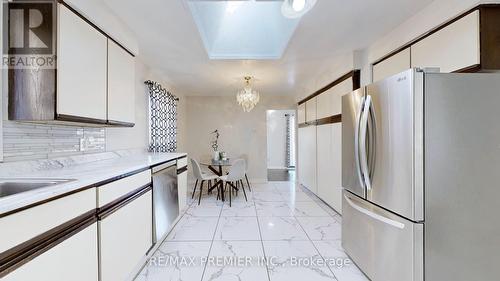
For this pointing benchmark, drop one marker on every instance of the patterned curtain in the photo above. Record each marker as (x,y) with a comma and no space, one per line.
(162,119)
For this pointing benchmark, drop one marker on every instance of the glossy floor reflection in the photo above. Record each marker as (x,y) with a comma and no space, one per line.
(283,232)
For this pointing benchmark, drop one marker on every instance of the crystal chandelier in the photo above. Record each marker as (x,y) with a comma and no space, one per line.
(247,97)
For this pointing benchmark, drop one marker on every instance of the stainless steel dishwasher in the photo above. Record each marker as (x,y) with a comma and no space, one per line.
(165,199)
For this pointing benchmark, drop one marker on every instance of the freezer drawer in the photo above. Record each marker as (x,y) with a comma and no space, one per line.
(386,247)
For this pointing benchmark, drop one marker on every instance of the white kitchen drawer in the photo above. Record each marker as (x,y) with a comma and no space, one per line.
(24,225)
(182,162)
(125,237)
(109,192)
(73,259)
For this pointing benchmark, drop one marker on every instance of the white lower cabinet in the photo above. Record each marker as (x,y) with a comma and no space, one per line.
(329,158)
(182,188)
(307,157)
(74,259)
(125,238)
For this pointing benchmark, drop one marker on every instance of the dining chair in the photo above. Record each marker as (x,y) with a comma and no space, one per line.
(235,177)
(245,157)
(203,177)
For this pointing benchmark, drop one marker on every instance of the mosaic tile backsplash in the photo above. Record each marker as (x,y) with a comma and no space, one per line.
(25,141)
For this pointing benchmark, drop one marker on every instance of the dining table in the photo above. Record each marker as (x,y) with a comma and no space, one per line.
(217,167)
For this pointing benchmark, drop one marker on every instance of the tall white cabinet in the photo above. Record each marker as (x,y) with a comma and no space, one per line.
(319,141)
(81,67)
(307,157)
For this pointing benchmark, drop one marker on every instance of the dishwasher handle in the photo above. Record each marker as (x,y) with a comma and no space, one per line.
(182,170)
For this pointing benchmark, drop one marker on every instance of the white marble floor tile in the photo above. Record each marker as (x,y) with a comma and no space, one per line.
(239,197)
(244,261)
(237,228)
(208,209)
(273,209)
(338,261)
(308,209)
(281,228)
(191,228)
(296,196)
(267,196)
(259,187)
(321,228)
(239,209)
(162,265)
(295,261)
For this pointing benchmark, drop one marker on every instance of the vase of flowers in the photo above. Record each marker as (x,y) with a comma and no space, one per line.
(215,145)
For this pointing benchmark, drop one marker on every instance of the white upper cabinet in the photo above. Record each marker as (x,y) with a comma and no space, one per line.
(452,48)
(121,84)
(392,65)
(311,110)
(301,113)
(329,102)
(81,67)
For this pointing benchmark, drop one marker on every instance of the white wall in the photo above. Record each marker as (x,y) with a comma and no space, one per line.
(276,138)
(240,132)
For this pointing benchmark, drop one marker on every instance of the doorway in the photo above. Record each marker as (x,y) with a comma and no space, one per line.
(281,144)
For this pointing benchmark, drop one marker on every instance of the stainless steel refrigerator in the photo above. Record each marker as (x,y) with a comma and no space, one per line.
(421,177)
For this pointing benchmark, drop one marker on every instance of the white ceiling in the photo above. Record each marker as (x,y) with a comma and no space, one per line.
(170,42)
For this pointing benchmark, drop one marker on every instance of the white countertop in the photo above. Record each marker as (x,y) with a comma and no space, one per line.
(86,170)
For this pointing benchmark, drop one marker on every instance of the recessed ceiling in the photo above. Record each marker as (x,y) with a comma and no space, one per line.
(242,29)
(169,41)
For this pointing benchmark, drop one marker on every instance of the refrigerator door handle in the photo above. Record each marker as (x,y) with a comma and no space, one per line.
(373,215)
(356,144)
(362,142)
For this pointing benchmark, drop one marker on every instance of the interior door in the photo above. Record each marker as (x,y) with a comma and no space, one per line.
(351,113)
(391,118)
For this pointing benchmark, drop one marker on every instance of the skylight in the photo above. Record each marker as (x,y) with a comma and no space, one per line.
(244,29)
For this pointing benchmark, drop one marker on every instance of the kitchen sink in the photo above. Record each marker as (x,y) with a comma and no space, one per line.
(13,186)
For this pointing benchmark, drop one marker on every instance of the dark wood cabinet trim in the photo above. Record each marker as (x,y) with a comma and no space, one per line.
(182,170)
(21,254)
(323,121)
(356,78)
(489,26)
(120,123)
(87,120)
(94,26)
(329,120)
(121,202)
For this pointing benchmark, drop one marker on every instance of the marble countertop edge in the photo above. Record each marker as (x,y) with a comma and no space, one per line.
(85,175)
